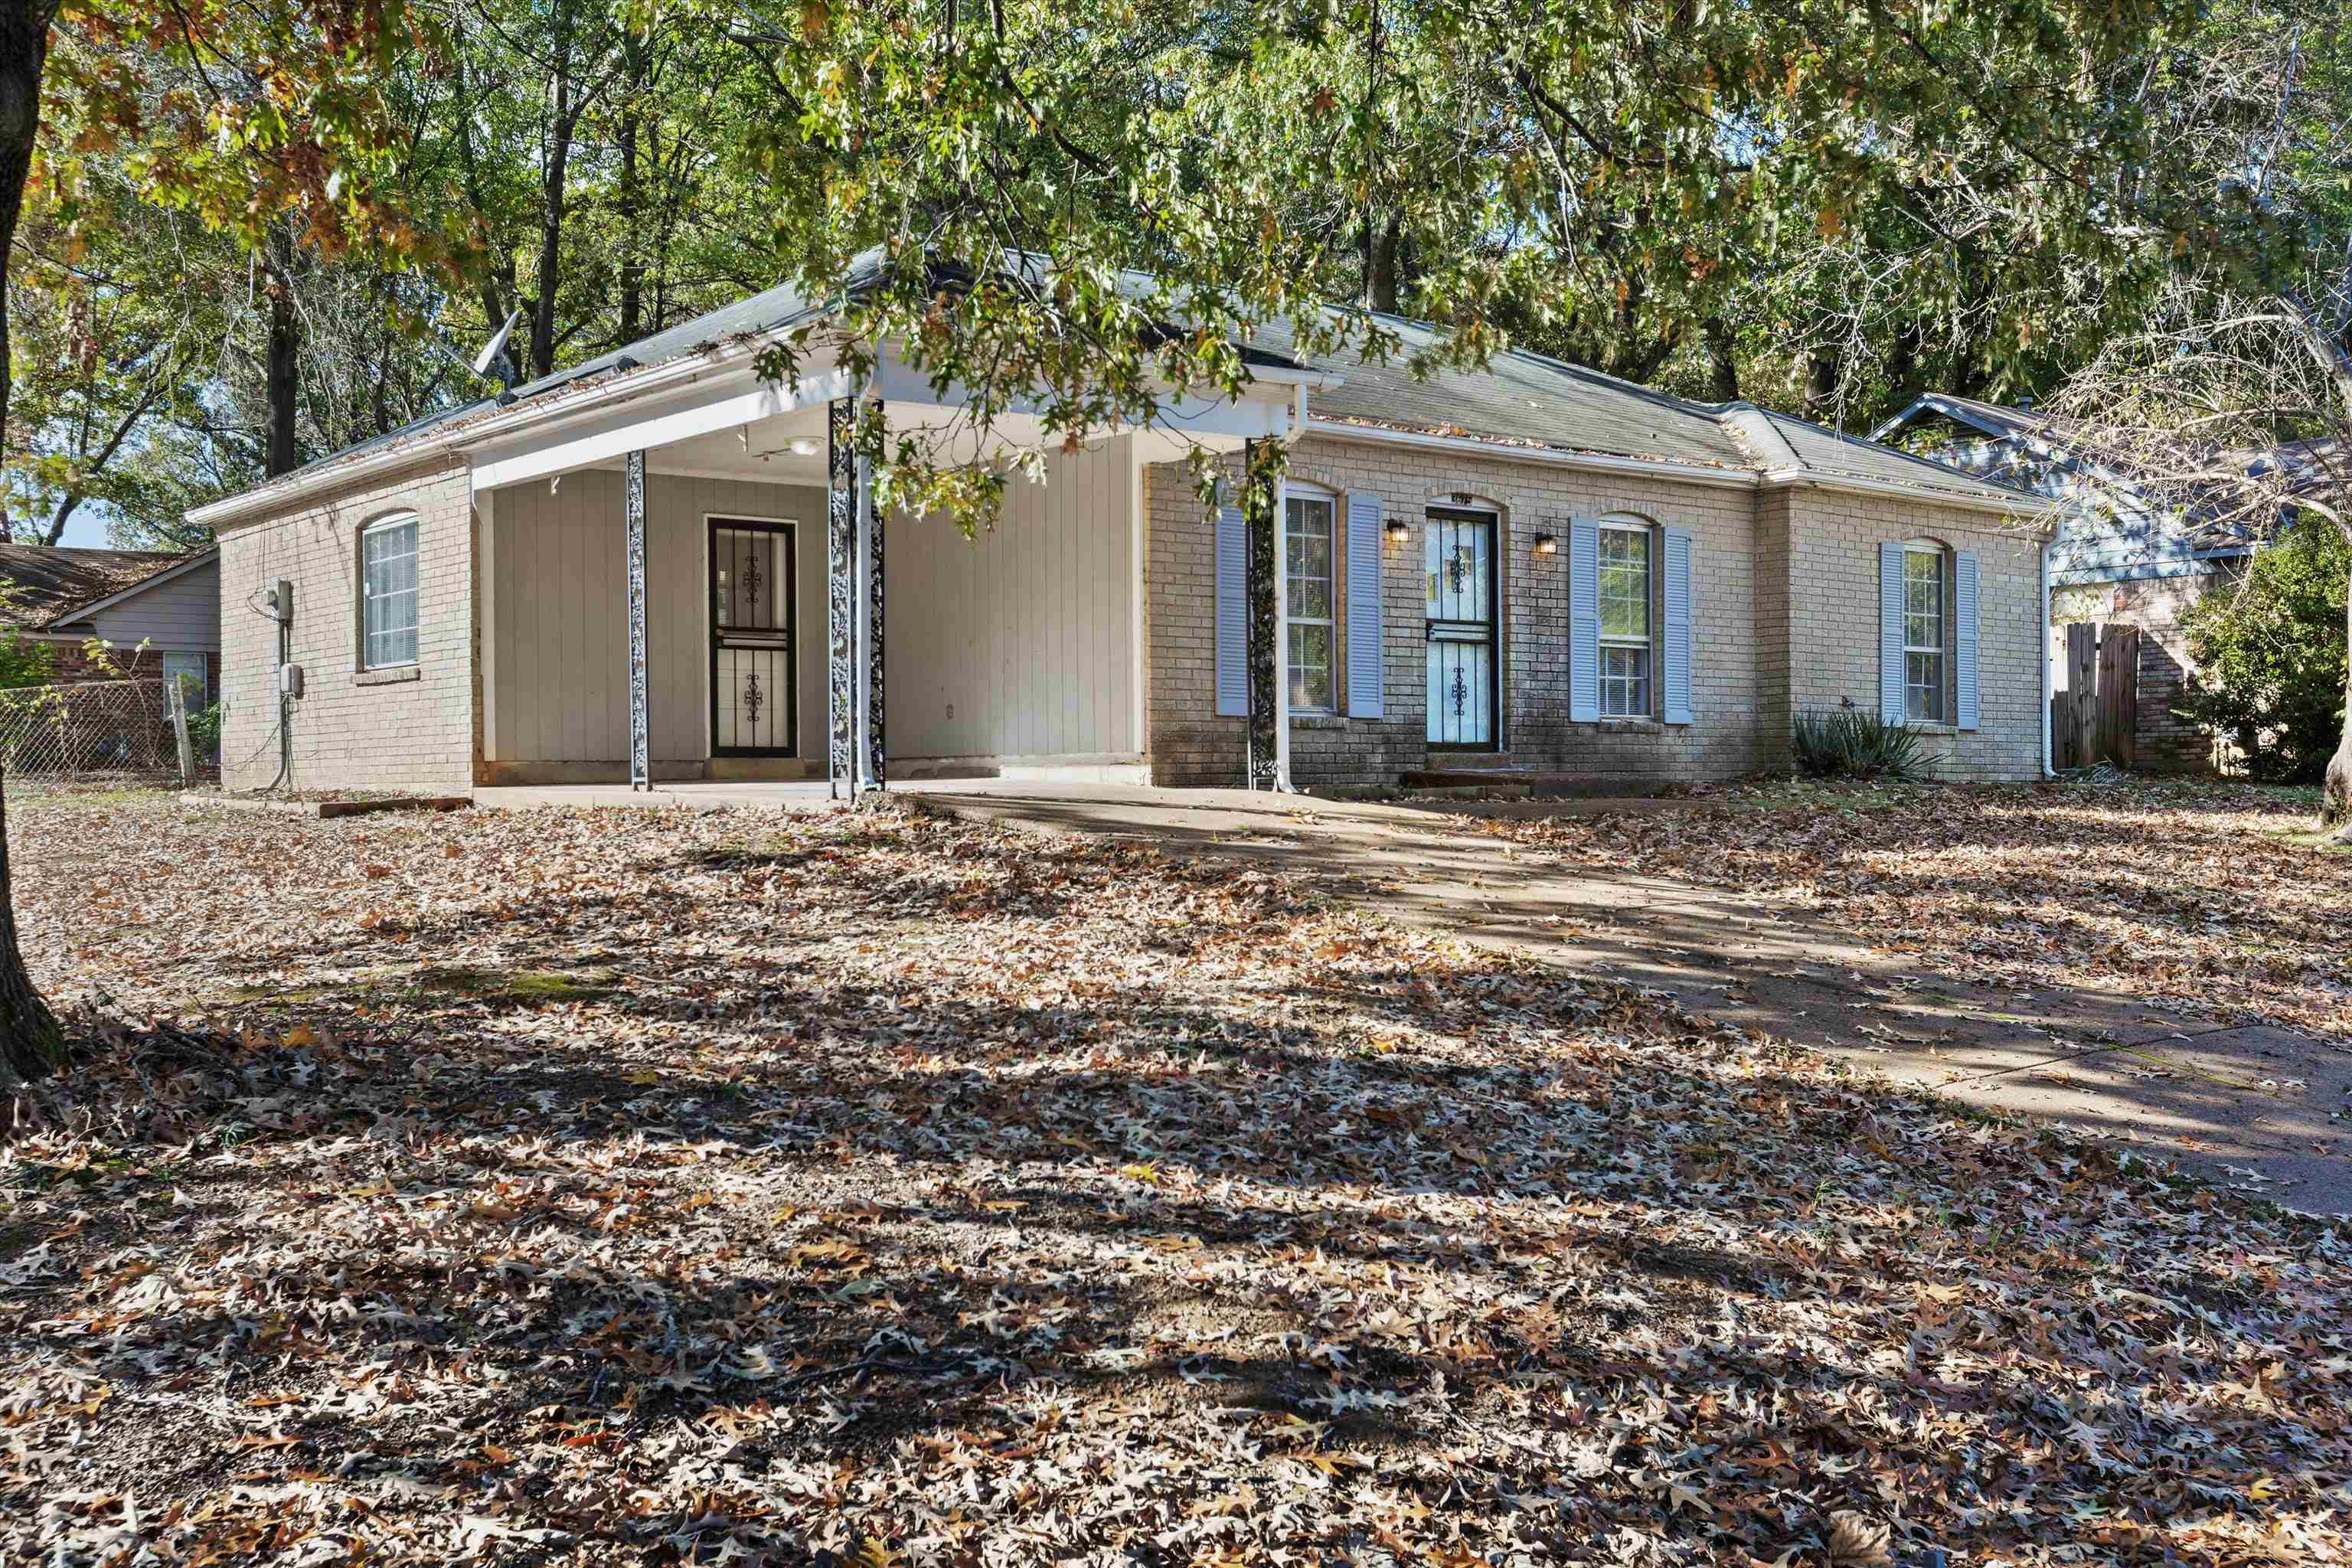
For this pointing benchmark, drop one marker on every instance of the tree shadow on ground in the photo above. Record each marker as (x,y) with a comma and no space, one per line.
(1525,1250)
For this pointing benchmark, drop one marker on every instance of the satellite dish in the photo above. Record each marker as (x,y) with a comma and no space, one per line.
(495,352)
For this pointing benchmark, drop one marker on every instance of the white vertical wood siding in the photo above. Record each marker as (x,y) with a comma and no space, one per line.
(1019,643)
(559,613)
(182,615)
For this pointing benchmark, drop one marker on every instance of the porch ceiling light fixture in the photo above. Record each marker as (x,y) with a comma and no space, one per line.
(1547,543)
(802,447)
(1399,531)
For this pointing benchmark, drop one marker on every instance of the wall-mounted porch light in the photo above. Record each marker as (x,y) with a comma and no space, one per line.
(1547,543)
(1399,531)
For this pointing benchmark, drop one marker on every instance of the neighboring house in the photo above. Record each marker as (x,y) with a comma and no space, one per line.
(1536,567)
(158,613)
(2121,556)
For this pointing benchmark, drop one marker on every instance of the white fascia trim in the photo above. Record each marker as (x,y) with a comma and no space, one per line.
(536,459)
(2025,506)
(1688,473)
(552,408)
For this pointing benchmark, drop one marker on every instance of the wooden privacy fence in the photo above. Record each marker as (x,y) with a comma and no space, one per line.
(2094,720)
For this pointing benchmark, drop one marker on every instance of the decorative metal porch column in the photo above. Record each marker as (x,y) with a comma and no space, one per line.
(1269,682)
(871,751)
(855,758)
(632,512)
(840,515)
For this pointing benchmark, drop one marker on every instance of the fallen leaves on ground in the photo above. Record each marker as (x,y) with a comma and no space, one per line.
(2186,893)
(871,1188)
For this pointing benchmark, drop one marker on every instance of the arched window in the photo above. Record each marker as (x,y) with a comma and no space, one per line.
(1628,619)
(388,592)
(1311,602)
(1927,632)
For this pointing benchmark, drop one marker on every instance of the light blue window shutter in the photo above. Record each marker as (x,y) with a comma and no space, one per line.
(1890,633)
(1365,670)
(1584,620)
(1964,645)
(1232,615)
(1678,627)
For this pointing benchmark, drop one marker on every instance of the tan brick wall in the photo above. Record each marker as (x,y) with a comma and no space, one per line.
(1785,615)
(1191,746)
(350,731)
(1833,621)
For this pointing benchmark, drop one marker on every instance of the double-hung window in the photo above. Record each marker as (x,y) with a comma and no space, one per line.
(388,593)
(187,671)
(1924,598)
(1625,574)
(1307,583)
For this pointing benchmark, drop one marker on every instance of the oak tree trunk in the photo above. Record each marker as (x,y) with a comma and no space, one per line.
(31,1044)
(284,376)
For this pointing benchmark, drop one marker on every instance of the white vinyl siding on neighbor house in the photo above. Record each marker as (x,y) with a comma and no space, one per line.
(388,594)
(181,615)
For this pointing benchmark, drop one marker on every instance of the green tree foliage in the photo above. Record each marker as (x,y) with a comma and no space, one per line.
(2270,651)
(1625,181)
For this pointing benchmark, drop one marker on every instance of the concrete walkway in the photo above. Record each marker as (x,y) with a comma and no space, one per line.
(2249,1107)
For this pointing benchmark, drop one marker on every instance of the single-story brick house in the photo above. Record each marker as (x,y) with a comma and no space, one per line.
(657,567)
(104,614)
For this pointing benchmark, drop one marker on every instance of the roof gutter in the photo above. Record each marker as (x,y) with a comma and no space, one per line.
(1598,462)
(1688,473)
(2025,506)
(530,413)
(551,410)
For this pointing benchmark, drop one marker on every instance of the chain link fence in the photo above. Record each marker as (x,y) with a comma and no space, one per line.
(106,732)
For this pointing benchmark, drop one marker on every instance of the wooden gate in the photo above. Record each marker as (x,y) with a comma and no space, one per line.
(2095,719)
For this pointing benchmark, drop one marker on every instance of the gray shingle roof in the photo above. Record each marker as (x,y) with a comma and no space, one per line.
(1520,399)
(44,586)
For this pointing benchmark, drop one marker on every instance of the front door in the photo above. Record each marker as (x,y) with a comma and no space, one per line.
(752,691)
(1460,555)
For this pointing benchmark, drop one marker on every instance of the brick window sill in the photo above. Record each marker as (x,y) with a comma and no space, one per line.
(1318,721)
(392,677)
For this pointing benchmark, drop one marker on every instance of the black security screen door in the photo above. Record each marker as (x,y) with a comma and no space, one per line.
(752,711)
(1459,553)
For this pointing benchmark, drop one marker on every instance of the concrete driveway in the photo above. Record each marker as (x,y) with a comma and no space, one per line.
(2249,1106)
(2253,1108)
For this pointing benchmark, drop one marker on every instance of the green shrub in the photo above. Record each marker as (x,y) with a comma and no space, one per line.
(204,731)
(2268,651)
(24,662)
(1855,744)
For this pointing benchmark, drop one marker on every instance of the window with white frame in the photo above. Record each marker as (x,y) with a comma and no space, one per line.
(388,593)
(1307,582)
(187,672)
(1625,588)
(1925,593)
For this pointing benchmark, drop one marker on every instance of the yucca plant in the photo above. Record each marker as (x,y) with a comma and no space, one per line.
(1854,743)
